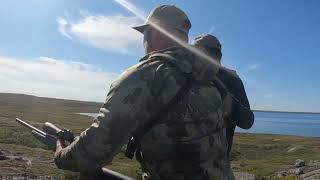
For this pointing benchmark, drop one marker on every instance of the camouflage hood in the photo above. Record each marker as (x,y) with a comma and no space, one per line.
(196,67)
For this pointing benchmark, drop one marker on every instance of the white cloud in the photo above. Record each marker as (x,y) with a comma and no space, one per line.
(109,33)
(50,77)
(63,25)
(254,66)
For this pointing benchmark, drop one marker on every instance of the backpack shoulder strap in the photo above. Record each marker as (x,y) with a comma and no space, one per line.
(140,131)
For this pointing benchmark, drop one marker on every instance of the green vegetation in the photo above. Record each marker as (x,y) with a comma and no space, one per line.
(42,163)
(259,154)
(265,154)
(36,111)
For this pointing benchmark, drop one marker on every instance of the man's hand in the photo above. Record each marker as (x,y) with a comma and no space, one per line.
(60,145)
(227,106)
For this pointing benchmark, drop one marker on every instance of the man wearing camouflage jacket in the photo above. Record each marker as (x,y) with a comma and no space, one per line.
(189,143)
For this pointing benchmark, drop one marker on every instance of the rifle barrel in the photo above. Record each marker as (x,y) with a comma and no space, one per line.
(30,126)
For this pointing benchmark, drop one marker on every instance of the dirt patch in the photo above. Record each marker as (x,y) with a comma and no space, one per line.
(15,167)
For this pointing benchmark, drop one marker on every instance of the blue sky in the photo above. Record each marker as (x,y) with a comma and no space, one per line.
(74,49)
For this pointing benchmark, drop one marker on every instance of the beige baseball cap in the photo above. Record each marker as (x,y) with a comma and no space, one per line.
(207,40)
(168,17)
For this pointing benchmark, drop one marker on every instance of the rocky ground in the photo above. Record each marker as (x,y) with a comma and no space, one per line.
(302,170)
(14,167)
(244,176)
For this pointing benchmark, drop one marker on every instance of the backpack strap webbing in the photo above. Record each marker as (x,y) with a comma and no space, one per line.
(140,131)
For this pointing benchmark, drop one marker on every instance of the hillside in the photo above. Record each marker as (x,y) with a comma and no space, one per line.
(39,110)
(262,155)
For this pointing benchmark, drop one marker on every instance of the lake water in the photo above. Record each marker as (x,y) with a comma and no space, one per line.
(89,114)
(301,124)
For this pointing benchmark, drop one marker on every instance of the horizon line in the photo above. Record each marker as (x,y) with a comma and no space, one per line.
(90,101)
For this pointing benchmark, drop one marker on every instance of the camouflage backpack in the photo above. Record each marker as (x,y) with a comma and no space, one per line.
(184,155)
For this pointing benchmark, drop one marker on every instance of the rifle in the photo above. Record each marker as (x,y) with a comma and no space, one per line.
(49,136)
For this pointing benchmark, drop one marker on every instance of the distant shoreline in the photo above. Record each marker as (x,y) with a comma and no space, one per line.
(287,112)
(88,101)
(317,113)
(274,134)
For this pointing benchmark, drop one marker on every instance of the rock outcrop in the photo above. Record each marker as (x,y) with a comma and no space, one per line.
(244,176)
(301,170)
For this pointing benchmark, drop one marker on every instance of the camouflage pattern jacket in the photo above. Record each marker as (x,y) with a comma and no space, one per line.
(189,144)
